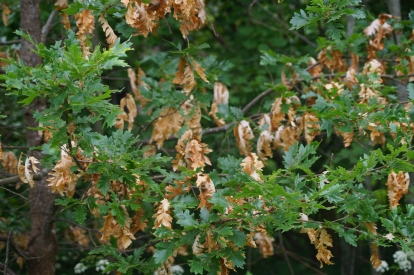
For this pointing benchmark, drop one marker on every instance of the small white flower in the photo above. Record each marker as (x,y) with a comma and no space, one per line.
(79,268)
(101,265)
(410,255)
(402,260)
(177,270)
(383,267)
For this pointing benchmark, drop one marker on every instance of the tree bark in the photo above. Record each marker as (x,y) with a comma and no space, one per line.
(42,246)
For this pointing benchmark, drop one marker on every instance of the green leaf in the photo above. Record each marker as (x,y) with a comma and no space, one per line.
(164,250)
(238,237)
(80,213)
(198,266)
(186,220)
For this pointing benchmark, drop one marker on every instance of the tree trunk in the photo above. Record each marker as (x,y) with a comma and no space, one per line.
(42,244)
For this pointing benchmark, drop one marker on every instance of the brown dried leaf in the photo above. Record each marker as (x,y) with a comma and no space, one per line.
(265,244)
(86,24)
(162,216)
(311,126)
(61,179)
(5,13)
(137,222)
(191,152)
(347,137)
(131,109)
(65,20)
(397,187)
(138,17)
(324,254)
(207,189)
(112,228)
(9,162)
(192,116)
(197,247)
(371,227)
(61,4)
(79,235)
(264,145)
(221,96)
(109,32)
(244,135)
(168,123)
(191,13)
(316,70)
(332,59)
(251,164)
(375,261)
(377,137)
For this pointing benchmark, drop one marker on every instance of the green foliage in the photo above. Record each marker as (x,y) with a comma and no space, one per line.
(301,188)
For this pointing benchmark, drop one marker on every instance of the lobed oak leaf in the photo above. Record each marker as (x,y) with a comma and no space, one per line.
(265,244)
(377,137)
(191,13)
(79,235)
(137,17)
(311,126)
(5,14)
(332,59)
(85,22)
(131,109)
(207,188)
(192,115)
(397,187)
(61,179)
(286,136)
(221,96)
(9,161)
(347,137)
(137,222)
(375,261)
(191,152)
(162,216)
(109,32)
(371,227)
(168,123)
(251,164)
(244,135)
(264,144)
(197,248)
(26,172)
(324,254)
(112,228)
(61,4)
(65,20)
(316,70)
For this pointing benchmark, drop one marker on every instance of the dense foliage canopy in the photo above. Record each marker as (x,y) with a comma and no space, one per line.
(206,137)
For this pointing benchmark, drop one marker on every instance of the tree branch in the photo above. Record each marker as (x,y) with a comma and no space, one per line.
(48,26)
(15,179)
(255,100)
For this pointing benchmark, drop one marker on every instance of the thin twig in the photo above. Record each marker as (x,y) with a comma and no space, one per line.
(256,99)
(285,254)
(7,252)
(10,42)
(17,194)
